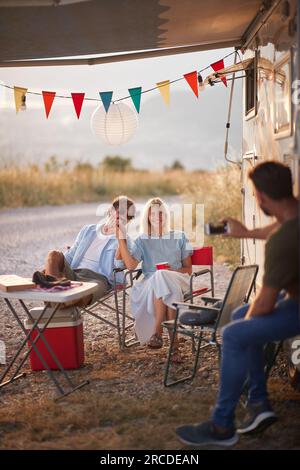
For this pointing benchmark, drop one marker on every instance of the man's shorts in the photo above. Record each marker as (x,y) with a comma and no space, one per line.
(87,275)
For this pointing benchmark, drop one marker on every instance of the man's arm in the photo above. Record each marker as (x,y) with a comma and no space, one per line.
(238,230)
(264,302)
(128,259)
(123,251)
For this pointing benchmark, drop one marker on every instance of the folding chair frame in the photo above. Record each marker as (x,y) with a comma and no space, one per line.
(191,294)
(197,332)
(117,290)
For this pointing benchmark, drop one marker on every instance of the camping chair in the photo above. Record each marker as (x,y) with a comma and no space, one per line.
(195,320)
(201,257)
(119,292)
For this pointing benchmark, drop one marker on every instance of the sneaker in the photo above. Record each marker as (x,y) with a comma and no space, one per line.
(206,434)
(258,418)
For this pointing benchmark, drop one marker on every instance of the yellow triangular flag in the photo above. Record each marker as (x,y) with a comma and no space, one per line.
(19,93)
(164,88)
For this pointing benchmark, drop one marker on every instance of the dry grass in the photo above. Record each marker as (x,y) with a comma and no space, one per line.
(220,192)
(34,187)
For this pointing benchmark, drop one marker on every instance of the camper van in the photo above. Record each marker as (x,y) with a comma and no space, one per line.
(264,33)
(270,119)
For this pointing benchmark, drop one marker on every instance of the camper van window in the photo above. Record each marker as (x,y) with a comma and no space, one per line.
(250,89)
(282,97)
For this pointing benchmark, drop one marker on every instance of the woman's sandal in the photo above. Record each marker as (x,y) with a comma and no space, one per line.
(155,341)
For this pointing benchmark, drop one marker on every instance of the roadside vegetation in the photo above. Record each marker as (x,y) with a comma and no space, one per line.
(57,183)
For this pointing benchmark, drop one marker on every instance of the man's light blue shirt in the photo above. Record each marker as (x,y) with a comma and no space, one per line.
(107,260)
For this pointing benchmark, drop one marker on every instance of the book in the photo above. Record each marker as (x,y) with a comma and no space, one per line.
(12,282)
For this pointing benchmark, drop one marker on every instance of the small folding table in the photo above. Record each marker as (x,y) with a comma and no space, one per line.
(56,299)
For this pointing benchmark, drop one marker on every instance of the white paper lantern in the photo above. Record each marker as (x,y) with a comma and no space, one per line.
(117,125)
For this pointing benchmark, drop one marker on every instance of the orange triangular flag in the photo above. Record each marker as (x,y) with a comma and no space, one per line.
(78,100)
(192,79)
(164,88)
(48,101)
(20,94)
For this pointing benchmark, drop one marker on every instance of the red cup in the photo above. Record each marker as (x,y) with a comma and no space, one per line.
(164,265)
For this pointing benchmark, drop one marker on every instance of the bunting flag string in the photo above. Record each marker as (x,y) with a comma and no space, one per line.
(194,80)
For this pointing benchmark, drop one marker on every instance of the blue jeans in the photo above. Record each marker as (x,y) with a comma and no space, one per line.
(242,355)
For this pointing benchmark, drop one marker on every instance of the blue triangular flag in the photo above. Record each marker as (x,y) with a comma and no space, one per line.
(106,97)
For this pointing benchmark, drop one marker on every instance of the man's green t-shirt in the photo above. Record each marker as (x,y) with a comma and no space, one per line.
(282,259)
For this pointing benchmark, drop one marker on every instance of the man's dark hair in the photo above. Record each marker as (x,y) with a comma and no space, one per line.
(273,178)
(125,202)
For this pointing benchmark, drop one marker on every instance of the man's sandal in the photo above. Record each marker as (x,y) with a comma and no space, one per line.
(155,341)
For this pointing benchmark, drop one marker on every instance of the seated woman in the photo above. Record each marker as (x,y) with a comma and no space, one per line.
(152,297)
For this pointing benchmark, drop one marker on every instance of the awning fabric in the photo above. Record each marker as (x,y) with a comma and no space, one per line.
(36,29)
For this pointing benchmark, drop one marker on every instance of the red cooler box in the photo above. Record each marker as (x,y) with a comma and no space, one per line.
(64,334)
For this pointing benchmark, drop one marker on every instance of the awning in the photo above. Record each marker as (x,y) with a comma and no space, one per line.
(36,29)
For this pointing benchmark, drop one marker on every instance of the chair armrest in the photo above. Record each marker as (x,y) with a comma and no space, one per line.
(210,300)
(188,306)
(199,273)
(118,270)
(133,274)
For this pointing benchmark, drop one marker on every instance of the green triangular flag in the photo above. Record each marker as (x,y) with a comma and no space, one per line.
(135,94)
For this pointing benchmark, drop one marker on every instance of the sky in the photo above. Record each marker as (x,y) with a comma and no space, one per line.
(117,77)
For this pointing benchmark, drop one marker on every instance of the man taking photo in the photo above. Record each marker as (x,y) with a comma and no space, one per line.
(271,317)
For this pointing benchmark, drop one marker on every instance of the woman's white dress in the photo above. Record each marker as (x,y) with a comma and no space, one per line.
(166,285)
(169,286)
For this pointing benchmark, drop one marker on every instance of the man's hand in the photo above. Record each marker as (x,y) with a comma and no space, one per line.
(264,302)
(235,228)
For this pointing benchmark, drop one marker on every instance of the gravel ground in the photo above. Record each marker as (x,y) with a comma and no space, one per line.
(26,237)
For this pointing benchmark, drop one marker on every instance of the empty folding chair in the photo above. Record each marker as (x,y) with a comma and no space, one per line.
(197,321)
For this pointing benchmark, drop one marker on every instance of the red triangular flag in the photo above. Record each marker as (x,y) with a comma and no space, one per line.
(192,79)
(219,65)
(48,100)
(78,100)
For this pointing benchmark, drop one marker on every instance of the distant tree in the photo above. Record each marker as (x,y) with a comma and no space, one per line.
(83,166)
(117,163)
(176,165)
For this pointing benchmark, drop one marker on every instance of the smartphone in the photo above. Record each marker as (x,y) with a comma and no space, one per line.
(216,229)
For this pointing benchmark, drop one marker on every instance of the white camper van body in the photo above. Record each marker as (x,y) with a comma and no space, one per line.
(270,112)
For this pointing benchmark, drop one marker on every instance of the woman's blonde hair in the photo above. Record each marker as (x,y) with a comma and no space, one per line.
(145,223)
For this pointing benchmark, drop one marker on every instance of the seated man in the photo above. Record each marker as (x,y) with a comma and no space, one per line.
(94,254)
(269,318)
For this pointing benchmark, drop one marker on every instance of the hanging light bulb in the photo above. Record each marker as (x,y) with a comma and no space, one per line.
(23,105)
(201,82)
(117,125)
